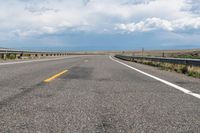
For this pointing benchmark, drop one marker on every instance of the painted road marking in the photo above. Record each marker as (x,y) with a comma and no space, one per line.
(161,80)
(55,76)
(39,60)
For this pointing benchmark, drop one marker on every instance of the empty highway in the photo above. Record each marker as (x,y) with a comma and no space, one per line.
(96,94)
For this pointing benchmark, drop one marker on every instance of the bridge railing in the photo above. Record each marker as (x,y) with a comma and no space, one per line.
(183,61)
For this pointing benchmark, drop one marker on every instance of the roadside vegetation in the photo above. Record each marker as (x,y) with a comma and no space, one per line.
(192,54)
(187,70)
(11,56)
(14,57)
(188,56)
(8,57)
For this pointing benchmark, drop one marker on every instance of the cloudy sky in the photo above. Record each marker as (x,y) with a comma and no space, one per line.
(100,24)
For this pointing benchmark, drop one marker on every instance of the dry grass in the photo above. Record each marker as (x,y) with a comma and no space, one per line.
(194,72)
(187,70)
(166,53)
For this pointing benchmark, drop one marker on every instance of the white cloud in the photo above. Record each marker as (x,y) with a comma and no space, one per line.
(151,24)
(147,25)
(36,17)
(194,6)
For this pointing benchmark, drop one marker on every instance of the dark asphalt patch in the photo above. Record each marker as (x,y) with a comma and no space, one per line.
(110,121)
(44,95)
(84,73)
(179,82)
(24,91)
(104,79)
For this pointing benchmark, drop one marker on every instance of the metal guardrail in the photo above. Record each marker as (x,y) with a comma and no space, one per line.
(19,54)
(10,51)
(189,62)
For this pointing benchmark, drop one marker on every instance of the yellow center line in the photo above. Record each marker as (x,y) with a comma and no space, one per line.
(55,76)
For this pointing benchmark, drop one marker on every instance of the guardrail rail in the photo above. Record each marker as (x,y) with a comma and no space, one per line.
(182,61)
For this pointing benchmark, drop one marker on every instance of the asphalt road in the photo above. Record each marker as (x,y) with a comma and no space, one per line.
(95,95)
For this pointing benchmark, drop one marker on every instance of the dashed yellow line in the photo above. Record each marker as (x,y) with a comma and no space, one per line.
(55,76)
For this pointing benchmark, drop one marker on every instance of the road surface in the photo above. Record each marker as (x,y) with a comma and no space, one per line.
(95,94)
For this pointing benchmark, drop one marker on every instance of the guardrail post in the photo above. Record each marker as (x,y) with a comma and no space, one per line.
(21,55)
(18,56)
(163,54)
(1,56)
(4,56)
(39,56)
(32,56)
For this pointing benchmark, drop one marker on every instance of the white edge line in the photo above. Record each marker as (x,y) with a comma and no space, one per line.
(38,60)
(161,80)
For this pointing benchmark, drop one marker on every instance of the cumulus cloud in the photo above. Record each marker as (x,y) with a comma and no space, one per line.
(146,25)
(194,6)
(151,24)
(35,17)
